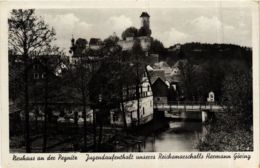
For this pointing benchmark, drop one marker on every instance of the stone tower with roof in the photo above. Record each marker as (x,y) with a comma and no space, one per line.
(145,20)
(145,25)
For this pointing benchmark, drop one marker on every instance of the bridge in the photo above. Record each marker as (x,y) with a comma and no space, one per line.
(189,109)
(189,106)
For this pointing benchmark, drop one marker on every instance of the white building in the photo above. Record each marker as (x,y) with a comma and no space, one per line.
(131,105)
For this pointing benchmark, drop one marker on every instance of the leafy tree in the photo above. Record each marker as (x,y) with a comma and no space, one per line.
(28,35)
(138,57)
(16,84)
(115,75)
(238,97)
(110,41)
(157,47)
(46,90)
(83,71)
(214,72)
(202,84)
(144,31)
(129,32)
(110,48)
(187,71)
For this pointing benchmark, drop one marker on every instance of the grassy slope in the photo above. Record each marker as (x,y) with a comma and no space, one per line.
(224,135)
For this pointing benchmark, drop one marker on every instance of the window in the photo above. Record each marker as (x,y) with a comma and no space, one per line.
(143,111)
(148,88)
(115,117)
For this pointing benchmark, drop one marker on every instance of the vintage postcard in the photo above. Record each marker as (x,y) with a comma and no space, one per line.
(129,83)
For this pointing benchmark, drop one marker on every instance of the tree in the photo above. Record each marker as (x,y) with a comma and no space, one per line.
(109,85)
(144,31)
(122,72)
(138,57)
(111,41)
(157,47)
(104,91)
(28,34)
(111,49)
(129,32)
(16,84)
(187,74)
(214,73)
(82,70)
(238,97)
(52,61)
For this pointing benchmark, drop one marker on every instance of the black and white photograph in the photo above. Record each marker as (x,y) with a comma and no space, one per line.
(97,80)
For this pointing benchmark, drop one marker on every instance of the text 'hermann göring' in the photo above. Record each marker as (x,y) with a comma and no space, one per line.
(130,156)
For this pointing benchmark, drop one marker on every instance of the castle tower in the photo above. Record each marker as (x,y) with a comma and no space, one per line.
(145,32)
(145,20)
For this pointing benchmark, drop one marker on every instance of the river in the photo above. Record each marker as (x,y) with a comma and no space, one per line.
(180,136)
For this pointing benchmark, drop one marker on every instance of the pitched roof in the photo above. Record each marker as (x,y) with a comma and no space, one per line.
(161,80)
(154,75)
(145,14)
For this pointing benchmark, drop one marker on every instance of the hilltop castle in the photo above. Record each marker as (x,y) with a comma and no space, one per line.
(143,34)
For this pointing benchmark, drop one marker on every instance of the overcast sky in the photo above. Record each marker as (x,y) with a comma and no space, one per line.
(169,25)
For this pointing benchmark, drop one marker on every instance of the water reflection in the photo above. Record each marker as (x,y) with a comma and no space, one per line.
(179,137)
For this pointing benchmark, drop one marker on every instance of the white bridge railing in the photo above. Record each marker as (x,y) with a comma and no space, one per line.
(189,106)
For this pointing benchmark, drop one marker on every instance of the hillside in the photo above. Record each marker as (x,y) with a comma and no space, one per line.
(199,53)
(215,63)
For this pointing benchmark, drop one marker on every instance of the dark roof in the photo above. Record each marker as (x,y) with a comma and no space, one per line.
(94,41)
(145,14)
(154,75)
(160,80)
(160,88)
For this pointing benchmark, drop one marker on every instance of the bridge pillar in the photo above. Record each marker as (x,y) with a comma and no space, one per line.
(204,116)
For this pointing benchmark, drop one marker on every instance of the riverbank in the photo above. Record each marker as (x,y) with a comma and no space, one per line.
(223,135)
(65,137)
(133,139)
